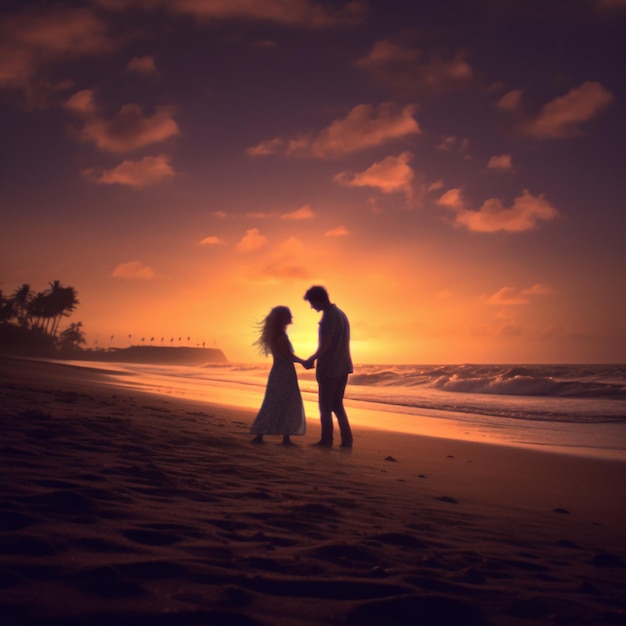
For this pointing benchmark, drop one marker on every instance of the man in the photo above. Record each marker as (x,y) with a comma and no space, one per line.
(333,365)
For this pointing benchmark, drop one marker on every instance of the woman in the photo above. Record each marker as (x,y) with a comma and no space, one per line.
(282,411)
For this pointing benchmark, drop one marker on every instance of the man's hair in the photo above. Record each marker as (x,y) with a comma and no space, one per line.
(317,293)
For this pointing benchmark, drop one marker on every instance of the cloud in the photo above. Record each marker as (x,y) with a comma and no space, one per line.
(137,174)
(286,261)
(538,290)
(303,213)
(212,240)
(525,214)
(36,39)
(391,175)
(339,231)
(252,240)
(129,130)
(451,199)
(451,142)
(266,148)
(563,116)
(373,204)
(503,163)
(283,263)
(289,12)
(133,269)
(404,68)
(142,65)
(510,101)
(511,296)
(82,102)
(364,127)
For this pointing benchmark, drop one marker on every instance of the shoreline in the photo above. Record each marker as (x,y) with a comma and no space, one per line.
(404,419)
(124,507)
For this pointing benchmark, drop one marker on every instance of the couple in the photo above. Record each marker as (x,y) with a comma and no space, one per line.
(282,411)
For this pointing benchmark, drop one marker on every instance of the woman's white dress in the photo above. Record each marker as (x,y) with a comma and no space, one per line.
(282,411)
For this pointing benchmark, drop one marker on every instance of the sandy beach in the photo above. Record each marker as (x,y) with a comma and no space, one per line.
(120,507)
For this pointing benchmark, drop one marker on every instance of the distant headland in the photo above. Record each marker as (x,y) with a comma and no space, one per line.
(158,355)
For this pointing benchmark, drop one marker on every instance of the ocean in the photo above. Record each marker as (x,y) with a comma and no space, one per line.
(576,409)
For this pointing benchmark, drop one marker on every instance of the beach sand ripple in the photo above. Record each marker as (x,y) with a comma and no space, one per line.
(122,508)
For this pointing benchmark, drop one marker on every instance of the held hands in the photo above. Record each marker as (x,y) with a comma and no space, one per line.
(308,364)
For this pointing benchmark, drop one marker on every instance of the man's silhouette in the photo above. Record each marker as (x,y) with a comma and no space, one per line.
(333,365)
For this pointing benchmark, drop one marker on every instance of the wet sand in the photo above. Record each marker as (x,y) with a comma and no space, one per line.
(120,507)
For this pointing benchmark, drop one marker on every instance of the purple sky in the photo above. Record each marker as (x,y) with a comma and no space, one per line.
(451,171)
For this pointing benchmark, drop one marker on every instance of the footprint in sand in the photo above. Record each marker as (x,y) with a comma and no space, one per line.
(447,499)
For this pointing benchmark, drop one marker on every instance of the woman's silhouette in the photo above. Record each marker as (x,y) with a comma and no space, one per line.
(282,411)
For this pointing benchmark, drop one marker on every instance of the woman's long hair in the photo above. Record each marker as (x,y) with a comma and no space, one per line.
(272,327)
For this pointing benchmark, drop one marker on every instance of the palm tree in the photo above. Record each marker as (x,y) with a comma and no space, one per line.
(73,336)
(62,301)
(21,298)
(6,308)
(37,311)
(51,305)
(46,308)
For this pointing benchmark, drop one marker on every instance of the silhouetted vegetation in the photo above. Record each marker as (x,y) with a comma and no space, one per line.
(30,325)
(30,321)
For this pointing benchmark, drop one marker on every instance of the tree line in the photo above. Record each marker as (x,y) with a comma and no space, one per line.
(33,318)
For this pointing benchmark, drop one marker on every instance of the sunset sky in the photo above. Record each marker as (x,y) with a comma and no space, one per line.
(452,171)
